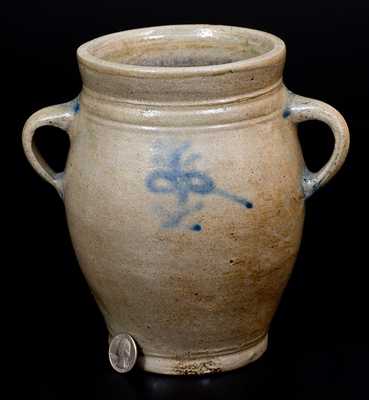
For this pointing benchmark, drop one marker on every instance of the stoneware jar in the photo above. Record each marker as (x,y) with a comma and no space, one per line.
(184,188)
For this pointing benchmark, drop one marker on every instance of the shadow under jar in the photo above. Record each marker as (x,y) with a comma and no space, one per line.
(184,188)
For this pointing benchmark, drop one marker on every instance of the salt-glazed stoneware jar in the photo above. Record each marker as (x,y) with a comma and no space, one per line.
(184,189)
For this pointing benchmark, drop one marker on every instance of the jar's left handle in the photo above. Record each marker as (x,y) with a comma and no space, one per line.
(60,116)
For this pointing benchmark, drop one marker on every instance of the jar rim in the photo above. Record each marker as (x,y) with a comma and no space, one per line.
(95,54)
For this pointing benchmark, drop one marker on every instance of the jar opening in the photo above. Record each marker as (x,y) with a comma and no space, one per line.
(182,49)
(182,64)
(195,49)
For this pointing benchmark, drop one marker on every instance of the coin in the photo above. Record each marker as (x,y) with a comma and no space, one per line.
(122,353)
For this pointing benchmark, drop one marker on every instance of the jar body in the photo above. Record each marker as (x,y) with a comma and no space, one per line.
(184,189)
(186,228)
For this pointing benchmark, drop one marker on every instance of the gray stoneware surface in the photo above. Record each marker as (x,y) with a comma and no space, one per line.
(184,188)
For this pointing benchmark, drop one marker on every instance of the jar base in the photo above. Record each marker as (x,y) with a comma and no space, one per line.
(204,365)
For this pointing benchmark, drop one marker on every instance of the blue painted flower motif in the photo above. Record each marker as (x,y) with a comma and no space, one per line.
(175,175)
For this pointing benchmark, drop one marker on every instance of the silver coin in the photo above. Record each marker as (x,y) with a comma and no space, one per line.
(122,352)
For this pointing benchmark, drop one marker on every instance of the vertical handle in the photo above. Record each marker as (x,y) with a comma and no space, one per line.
(301,109)
(60,116)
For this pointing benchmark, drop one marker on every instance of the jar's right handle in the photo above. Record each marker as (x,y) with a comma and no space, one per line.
(302,109)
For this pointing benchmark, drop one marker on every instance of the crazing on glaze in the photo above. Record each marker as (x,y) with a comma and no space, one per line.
(175,174)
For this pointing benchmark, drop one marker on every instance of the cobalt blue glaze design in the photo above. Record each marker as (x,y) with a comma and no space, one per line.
(286,113)
(180,182)
(196,227)
(76,106)
(176,175)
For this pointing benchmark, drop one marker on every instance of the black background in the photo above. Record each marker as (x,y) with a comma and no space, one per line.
(319,337)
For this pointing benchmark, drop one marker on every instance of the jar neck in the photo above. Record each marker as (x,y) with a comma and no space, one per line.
(113,110)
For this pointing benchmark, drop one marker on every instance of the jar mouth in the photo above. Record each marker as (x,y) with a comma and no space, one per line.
(181,50)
